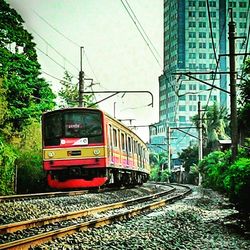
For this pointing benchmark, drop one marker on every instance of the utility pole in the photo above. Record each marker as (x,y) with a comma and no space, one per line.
(233,100)
(169,149)
(200,154)
(81,80)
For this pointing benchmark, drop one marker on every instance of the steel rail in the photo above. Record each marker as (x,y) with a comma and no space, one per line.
(105,220)
(13,227)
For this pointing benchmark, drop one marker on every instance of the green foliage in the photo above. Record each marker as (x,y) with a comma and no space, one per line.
(155,174)
(244,107)
(69,94)
(189,156)
(215,124)
(8,156)
(213,168)
(237,183)
(26,94)
(165,175)
(220,174)
(29,163)
(31,177)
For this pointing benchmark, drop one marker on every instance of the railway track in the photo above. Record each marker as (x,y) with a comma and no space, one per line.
(53,194)
(69,223)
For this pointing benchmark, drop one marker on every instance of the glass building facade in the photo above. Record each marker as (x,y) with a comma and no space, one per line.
(189,47)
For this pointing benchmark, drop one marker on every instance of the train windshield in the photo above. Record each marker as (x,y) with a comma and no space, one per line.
(73,124)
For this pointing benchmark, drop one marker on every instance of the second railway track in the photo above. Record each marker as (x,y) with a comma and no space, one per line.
(43,230)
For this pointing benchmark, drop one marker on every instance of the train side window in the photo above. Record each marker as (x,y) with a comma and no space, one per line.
(115,138)
(123,141)
(129,145)
(110,136)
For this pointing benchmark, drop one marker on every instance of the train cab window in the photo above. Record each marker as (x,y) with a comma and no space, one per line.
(53,129)
(72,124)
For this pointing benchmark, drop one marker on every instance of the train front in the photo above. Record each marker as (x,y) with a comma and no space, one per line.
(73,148)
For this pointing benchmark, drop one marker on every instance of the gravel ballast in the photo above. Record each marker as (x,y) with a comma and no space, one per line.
(197,222)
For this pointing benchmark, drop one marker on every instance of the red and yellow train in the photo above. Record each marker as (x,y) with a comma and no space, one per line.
(84,148)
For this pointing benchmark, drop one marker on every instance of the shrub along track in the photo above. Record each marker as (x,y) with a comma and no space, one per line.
(42,230)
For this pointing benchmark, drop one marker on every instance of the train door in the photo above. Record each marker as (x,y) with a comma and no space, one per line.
(110,145)
(124,149)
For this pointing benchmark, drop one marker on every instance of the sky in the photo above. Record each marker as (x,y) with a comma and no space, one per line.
(115,55)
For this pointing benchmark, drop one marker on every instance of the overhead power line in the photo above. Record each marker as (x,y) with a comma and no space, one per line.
(55,29)
(147,41)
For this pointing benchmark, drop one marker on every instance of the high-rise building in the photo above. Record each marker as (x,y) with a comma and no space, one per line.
(195,41)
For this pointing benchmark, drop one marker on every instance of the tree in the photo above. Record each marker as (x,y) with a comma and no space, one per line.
(158,163)
(215,124)
(27,94)
(244,100)
(69,93)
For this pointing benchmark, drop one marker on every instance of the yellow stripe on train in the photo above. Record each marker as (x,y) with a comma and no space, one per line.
(74,153)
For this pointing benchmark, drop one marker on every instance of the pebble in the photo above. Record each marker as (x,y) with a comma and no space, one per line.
(193,223)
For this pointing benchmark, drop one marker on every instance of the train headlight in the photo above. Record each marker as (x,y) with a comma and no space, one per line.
(51,154)
(97,152)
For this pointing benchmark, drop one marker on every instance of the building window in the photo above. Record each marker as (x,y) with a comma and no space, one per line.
(192,86)
(192,45)
(211,56)
(243,14)
(211,45)
(192,35)
(192,56)
(202,66)
(191,3)
(202,45)
(214,35)
(232,4)
(202,97)
(212,66)
(243,25)
(202,87)
(202,14)
(242,4)
(192,24)
(183,86)
(213,98)
(202,55)
(202,34)
(191,13)
(212,4)
(182,98)
(192,97)
(182,108)
(214,24)
(192,108)
(192,66)
(182,118)
(213,14)
(202,4)
(202,25)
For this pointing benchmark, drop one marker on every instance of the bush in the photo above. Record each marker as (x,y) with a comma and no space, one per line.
(213,169)
(8,156)
(155,174)
(165,175)
(31,177)
(237,183)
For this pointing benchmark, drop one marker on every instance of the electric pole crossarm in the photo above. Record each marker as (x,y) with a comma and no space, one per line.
(199,80)
(187,133)
(115,92)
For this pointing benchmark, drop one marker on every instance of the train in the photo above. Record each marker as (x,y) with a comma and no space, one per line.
(87,148)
